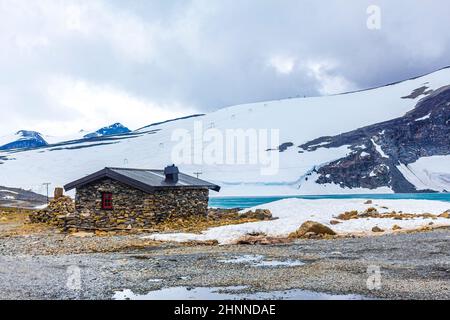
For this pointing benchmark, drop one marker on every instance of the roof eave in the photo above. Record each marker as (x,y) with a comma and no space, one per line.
(108,173)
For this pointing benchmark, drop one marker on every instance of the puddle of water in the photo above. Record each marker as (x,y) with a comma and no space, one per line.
(258,261)
(228,293)
(276,263)
(245,259)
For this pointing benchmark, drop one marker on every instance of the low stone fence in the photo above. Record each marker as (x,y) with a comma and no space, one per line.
(56,213)
(61,212)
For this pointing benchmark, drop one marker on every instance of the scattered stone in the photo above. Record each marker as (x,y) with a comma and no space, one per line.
(377,229)
(202,243)
(261,239)
(348,215)
(371,210)
(311,226)
(259,214)
(334,222)
(368,202)
(431,223)
(396,227)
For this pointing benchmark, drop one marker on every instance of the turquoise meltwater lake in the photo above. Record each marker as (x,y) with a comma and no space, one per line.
(247,202)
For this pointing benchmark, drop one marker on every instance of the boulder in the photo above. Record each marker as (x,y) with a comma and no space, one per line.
(445,215)
(368,202)
(396,227)
(311,226)
(377,229)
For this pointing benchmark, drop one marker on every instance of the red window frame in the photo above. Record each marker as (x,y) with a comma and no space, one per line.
(107,202)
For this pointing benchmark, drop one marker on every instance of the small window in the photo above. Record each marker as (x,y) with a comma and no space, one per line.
(107,201)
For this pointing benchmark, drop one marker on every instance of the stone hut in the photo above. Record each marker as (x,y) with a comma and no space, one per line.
(123,197)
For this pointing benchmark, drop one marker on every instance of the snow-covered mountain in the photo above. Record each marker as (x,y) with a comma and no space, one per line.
(393,138)
(31,139)
(22,139)
(114,129)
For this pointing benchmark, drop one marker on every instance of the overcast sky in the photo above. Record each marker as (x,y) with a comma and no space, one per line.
(71,65)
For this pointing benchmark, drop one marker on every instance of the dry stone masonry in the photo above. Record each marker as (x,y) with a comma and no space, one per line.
(123,198)
(135,208)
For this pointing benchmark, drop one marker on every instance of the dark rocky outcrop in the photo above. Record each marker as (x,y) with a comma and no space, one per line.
(284,146)
(378,149)
(20,198)
(25,140)
(114,129)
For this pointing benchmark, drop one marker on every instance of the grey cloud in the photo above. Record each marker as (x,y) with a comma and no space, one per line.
(210,54)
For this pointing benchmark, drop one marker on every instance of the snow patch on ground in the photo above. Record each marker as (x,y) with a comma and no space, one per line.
(424,118)
(292,213)
(9,191)
(379,149)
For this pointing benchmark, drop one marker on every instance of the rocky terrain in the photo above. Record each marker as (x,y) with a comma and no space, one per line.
(20,198)
(412,266)
(378,149)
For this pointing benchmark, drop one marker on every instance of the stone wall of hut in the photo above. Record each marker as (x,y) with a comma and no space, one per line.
(133,207)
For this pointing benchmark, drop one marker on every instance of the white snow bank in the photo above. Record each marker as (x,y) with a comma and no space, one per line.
(428,173)
(424,118)
(291,213)
(379,149)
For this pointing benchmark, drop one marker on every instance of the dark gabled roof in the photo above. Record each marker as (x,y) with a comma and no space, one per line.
(143,179)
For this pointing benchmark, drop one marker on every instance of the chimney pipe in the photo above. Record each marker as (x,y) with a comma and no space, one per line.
(171,173)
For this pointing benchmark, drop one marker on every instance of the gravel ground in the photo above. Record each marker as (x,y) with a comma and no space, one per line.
(413,266)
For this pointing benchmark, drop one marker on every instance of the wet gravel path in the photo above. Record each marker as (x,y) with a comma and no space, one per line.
(413,266)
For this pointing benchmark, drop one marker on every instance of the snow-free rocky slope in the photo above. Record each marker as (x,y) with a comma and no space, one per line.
(20,197)
(388,139)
